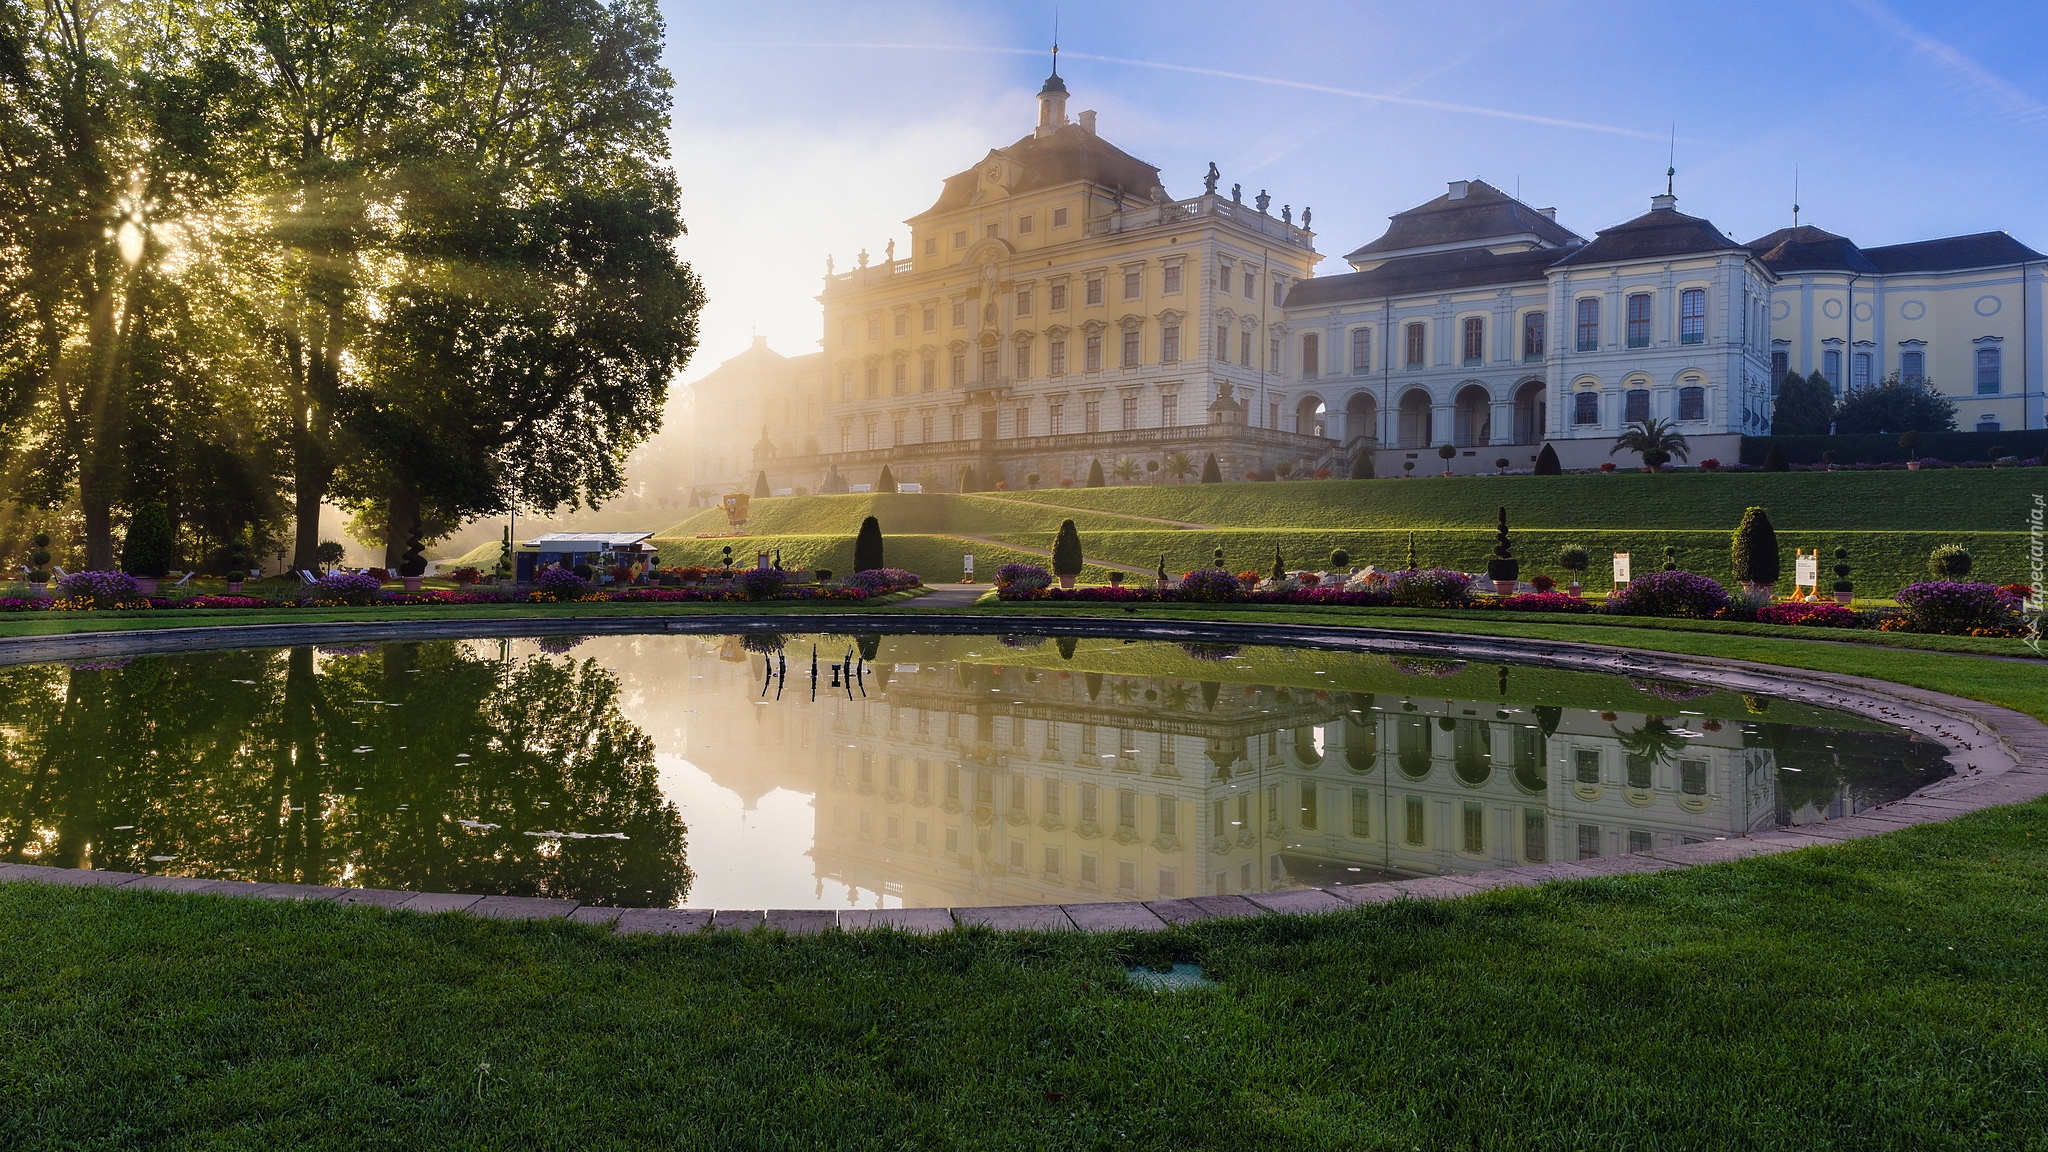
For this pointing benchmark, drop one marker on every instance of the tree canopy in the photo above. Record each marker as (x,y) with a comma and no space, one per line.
(1896,406)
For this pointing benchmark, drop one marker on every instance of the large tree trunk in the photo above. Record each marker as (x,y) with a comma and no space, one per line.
(401,511)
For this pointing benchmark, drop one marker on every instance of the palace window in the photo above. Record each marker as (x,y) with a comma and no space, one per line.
(991,230)
(899,378)
(1475,829)
(1251,285)
(1912,367)
(1056,296)
(1094,290)
(1169,410)
(1091,352)
(1091,416)
(1586,408)
(1169,278)
(924,434)
(1639,320)
(874,437)
(990,366)
(1859,371)
(1692,403)
(960,238)
(1273,355)
(959,313)
(1692,777)
(1023,301)
(895,437)
(1361,351)
(874,327)
(1781,363)
(931,245)
(846,385)
(1059,217)
(1244,348)
(1024,224)
(1056,356)
(931,317)
(1535,835)
(1223,343)
(1692,316)
(1279,291)
(1416,347)
(929,377)
(1589,324)
(1988,382)
(1131,347)
(1635,406)
(874,381)
(1532,336)
(1361,813)
(1475,339)
(959,366)
(1022,427)
(1023,361)
(1586,765)
(1589,841)
(1414,817)
(959,433)
(1169,344)
(1831,368)
(1056,424)
(1134,283)
(903,322)
(1130,412)
(1311,355)
(1223,275)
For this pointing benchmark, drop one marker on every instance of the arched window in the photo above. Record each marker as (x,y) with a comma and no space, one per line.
(1589,324)
(1692,316)
(1639,320)
(1635,406)
(1416,430)
(1414,738)
(1692,403)
(1311,355)
(1586,407)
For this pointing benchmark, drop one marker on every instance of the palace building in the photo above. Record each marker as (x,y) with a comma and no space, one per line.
(1058,309)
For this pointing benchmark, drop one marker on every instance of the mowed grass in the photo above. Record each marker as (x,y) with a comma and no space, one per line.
(935,558)
(1939,500)
(1881,995)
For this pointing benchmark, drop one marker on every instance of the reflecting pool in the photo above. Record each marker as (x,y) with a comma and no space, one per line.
(866,771)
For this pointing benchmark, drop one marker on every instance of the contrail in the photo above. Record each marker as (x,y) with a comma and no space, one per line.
(2013,103)
(1300,85)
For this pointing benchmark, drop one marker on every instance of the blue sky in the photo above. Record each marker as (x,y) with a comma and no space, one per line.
(808,129)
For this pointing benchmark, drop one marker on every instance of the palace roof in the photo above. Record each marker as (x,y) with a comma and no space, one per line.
(1478,213)
(1068,154)
(1661,231)
(1430,272)
(1809,249)
(1950,253)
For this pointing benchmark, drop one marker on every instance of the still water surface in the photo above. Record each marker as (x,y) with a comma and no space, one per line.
(715,772)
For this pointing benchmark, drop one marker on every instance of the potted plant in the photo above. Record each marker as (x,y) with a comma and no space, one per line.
(146,553)
(1066,554)
(1116,579)
(39,565)
(1573,559)
(1502,568)
(1844,590)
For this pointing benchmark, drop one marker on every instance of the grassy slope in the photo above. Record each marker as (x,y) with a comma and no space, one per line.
(1882,994)
(1981,500)
(936,558)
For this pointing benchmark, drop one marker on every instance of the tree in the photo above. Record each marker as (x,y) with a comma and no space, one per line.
(1503,566)
(1066,551)
(1095,474)
(1655,440)
(1774,460)
(1547,462)
(1211,474)
(1753,549)
(1896,406)
(886,482)
(1446,453)
(1806,406)
(1361,463)
(867,546)
(1179,466)
(1126,469)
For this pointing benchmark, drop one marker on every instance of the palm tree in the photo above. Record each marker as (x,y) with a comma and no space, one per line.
(1126,469)
(1653,440)
(1179,465)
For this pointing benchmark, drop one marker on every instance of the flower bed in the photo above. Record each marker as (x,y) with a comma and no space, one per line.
(1959,608)
(1687,595)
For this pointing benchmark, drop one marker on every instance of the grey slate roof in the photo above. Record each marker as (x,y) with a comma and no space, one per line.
(1979,250)
(1071,153)
(1429,272)
(1483,212)
(1810,249)
(1659,232)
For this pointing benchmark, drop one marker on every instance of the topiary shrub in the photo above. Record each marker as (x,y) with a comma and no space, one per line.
(1670,593)
(1429,588)
(886,482)
(1957,608)
(1361,465)
(1211,473)
(1842,584)
(761,489)
(1502,565)
(1949,562)
(1574,559)
(1753,549)
(1774,460)
(1340,560)
(1547,464)
(1095,474)
(867,546)
(414,562)
(148,549)
(1066,551)
(39,558)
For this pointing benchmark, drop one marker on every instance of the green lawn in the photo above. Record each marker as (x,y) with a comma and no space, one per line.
(1875,995)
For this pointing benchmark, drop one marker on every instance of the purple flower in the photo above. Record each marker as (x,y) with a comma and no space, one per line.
(1429,588)
(559,585)
(101,590)
(1210,586)
(878,581)
(1674,593)
(349,588)
(1955,607)
(1021,581)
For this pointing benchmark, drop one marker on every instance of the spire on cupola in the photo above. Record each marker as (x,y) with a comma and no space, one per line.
(1052,99)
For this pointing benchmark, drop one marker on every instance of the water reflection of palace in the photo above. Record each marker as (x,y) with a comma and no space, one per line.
(974,781)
